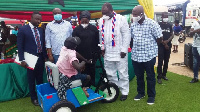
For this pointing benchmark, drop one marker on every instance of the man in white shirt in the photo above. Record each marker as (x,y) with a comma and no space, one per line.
(115,39)
(195,31)
(55,34)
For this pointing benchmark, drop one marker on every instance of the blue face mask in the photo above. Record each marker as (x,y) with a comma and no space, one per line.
(58,17)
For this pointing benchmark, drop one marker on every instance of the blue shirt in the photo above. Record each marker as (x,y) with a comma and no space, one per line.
(177,29)
(144,37)
(56,34)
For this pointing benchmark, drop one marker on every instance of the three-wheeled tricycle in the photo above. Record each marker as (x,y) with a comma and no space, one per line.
(49,101)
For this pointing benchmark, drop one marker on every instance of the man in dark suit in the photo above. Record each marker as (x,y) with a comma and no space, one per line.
(30,39)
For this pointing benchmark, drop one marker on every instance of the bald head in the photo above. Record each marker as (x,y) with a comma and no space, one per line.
(138,10)
(107,5)
(138,14)
(57,11)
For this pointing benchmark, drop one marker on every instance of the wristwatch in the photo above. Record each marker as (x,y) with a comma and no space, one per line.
(22,61)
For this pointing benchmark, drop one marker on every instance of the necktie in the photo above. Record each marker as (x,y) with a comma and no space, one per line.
(39,48)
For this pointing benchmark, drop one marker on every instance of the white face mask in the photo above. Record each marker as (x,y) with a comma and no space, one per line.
(136,19)
(105,17)
(84,25)
(165,20)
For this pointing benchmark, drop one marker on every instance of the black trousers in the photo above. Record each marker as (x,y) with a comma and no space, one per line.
(90,70)
(139,68)
(35,75)
(163,57)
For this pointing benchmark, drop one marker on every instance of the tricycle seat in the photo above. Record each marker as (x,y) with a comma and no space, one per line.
(53,76)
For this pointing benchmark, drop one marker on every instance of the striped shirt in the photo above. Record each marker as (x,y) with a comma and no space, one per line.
(56,34)
(144,37)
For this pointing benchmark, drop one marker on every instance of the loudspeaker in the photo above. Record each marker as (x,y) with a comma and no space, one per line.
(188,56)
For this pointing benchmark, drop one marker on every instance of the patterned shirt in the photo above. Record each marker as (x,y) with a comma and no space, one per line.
(56,34)
(144,37)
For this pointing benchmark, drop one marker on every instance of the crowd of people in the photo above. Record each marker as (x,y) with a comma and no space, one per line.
(72,49)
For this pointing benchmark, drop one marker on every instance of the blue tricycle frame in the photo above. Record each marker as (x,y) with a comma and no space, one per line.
(105,91)
(47,96)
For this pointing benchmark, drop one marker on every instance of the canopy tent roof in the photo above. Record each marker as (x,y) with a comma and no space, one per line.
(70,5)
(21,15)
(46,16)
(19,9)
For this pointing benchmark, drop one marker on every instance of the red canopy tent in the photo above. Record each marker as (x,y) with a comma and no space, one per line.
(23,15)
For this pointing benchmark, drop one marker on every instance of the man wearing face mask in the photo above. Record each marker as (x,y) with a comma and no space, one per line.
(115,39)
(164,49)
(55,34)
(89,36)
(146,35)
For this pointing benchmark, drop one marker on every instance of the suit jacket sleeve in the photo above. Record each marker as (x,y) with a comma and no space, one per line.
(20,44)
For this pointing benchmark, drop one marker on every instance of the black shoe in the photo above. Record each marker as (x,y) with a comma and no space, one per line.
(165,78)
(151,100)
(194,80)
(159,81)
(123,97)
(138,97)
(35,102)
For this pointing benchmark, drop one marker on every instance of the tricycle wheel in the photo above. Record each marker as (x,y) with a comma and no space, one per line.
(63,106)
(114,92)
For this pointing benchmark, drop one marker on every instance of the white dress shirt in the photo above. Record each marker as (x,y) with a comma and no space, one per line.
(122,37)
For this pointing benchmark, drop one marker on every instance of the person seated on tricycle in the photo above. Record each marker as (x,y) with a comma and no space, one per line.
(68,64)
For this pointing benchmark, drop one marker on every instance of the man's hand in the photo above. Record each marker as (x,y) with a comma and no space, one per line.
(102,52)
(51,58)
(82,65)
(165,42)
(89,61)
(166,47)
(24,64)
(122,54)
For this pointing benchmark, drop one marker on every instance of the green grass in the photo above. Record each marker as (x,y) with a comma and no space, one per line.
(175,95)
